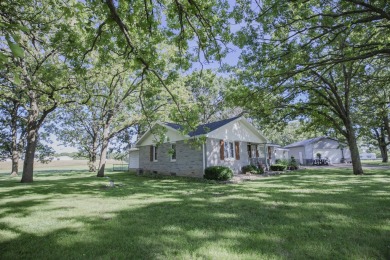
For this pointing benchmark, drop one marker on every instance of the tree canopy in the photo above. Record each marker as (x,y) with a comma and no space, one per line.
(310,59)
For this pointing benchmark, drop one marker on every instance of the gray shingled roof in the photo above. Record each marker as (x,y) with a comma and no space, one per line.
(308,141)
(205,128)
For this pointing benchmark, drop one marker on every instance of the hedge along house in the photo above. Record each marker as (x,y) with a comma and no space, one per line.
(232,142)
(306,151)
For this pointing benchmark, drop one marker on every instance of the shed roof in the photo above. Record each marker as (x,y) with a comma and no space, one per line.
(308,141)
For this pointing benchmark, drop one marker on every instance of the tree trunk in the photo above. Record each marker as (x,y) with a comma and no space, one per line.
(380,137)
(28,165)
(15,163)
(92,162)
(384,154)
(355,156)
(93,153)
(14,144)
(103,154)
(32,138)
(386,123)
(383,145)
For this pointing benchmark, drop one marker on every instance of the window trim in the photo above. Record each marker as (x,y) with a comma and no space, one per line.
(229,147)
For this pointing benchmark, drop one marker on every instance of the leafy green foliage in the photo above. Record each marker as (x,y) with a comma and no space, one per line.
(38,76)
(252,169)
(218,173)
(282,162)
(278,167)
(293,164)
(309,61)
(55,53)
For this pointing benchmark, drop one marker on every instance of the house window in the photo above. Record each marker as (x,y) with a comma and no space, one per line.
(254,153)
(249,149)
(229,149)
(173,152)
(155,152)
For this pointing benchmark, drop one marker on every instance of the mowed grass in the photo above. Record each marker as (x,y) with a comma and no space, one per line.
(56,166)
(308,214)
(377,162)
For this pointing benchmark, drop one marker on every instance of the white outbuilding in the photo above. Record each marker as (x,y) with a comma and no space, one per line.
(328,148)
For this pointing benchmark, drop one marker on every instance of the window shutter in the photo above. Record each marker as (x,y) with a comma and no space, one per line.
(222,150)
(237,145)
(151,153)
(257,151)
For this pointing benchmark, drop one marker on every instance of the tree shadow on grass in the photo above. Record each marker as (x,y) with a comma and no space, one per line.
(228,228)
(54,185)
(291,216)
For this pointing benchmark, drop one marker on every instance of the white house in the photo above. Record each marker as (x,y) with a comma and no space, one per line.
(134,159)
(233,142)
(306,151)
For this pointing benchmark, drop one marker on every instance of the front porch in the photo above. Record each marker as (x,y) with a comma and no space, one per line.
(265,154)
(259,155)
(259,161)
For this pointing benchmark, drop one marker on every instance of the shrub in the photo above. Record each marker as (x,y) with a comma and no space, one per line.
(219,173)
(282,161)
(293,165)
(260,169)
(278,167)
(253,169)
(248,168)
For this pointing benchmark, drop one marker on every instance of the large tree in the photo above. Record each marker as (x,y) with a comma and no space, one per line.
(12,131)
(375,108)
(119,109)
(317,24)
(79,126)
(207,92)
(305,59)
(37,35)
(195,30)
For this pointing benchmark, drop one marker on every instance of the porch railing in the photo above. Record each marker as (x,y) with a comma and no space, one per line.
(259,161)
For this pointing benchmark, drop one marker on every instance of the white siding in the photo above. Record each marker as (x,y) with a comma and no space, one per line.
(367,156)
(334,155)
(331,149)
(237,131)
(308,152)
(134,159)
(295,153)
(170,136)
(326,144)
(347,154)
(281,154)
(214,158)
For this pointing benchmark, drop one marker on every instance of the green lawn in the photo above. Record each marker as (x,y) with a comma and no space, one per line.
(319,213)
(377,162)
